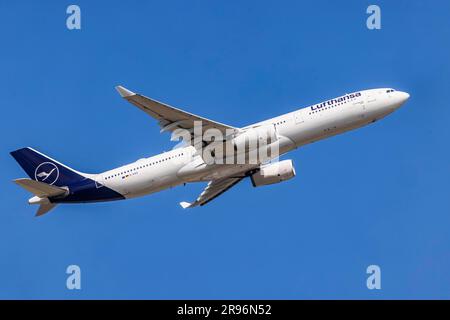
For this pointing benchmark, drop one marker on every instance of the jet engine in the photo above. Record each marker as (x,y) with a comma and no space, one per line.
(273,173)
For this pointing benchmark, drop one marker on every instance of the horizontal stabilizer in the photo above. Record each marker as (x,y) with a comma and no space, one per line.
(40,189)
(44,208)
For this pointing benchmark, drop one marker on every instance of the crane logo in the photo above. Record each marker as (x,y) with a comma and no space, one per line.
(46,172)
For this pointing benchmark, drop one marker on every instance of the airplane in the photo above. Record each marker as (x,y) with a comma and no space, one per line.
(54,183)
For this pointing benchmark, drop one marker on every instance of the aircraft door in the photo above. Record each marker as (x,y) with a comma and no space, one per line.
(298,117)
(359,107)
(370,100)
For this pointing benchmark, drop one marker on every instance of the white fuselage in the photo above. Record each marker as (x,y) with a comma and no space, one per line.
(294,129)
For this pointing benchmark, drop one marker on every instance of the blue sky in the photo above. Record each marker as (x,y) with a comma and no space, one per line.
(378,195)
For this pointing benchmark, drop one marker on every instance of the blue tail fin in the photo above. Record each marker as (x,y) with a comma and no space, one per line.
(41,168)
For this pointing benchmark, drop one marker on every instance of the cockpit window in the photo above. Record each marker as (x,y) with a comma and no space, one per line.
(390,90)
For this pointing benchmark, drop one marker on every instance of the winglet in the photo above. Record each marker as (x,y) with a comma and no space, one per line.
(124,92)
(185,205)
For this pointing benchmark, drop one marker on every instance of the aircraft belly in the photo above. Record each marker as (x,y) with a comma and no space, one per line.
(151,182)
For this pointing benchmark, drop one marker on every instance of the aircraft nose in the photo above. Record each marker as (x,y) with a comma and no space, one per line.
(400,98)
(404,96)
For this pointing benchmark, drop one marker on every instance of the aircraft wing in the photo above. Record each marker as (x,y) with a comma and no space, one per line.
(170,118)
(214,189)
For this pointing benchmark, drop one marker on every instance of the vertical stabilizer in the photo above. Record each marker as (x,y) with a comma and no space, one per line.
(44,169)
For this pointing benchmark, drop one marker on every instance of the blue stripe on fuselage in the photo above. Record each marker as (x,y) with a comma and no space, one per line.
(88,191)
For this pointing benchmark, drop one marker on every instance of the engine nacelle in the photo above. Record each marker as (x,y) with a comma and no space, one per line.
(273,173)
